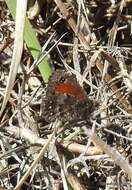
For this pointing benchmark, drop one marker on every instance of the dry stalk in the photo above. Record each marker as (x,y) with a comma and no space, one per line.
(114,88)
(71,22)
(112,152)
(38,158)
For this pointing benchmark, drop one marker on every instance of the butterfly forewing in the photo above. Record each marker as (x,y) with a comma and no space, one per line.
(65,99)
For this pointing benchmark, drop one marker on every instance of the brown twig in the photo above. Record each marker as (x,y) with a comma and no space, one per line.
(112,152)
(72,23)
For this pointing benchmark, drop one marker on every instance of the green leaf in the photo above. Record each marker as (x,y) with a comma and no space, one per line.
(32,42)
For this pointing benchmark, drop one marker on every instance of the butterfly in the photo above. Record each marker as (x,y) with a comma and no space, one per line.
(65,99)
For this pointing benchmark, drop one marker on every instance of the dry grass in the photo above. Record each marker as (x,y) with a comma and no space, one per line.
(93,40)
